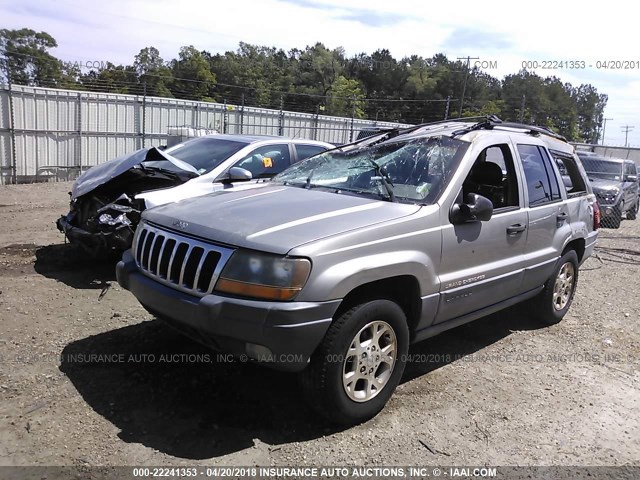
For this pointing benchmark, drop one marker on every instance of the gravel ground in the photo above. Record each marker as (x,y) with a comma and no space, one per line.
(500,391)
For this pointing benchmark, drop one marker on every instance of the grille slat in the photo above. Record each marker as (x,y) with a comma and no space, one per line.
(183,263)
(147,249)
(196,278)
(154,254)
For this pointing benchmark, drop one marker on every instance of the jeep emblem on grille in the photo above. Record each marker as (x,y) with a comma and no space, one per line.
(180,224)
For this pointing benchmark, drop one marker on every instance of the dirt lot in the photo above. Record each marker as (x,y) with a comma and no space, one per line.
(501,391)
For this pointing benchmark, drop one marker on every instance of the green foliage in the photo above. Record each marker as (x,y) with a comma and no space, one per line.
(345,98)
(153,73)
(317,79)
(192,77)
(112,78)
(25,57)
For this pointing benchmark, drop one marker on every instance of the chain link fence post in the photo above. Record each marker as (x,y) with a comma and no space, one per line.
(242,115)
(225,116)
(12,131)
(144,114)
(281,117)
(353,114)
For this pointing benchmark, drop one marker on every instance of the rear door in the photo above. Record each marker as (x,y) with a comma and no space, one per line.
(548,215)
(304,150)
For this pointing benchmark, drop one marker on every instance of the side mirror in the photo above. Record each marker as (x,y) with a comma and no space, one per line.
(475,208)
(630,178)
(236,174)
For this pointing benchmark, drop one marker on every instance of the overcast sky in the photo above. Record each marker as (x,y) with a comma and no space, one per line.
(504,32)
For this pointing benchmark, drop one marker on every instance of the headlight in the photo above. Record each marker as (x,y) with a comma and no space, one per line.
(264,276)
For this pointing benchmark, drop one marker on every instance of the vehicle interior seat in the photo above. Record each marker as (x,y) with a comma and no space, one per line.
(486,179)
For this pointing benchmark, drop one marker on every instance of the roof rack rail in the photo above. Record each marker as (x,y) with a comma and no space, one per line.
(534,129)
(487,122)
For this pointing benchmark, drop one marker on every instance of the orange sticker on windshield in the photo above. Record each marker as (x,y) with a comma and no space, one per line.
(267,162)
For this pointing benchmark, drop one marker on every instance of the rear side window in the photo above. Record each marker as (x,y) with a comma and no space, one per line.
(265,162)
(571,176)
(542,183)
(306,151)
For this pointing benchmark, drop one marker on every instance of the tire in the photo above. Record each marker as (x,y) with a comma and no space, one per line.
(614,220)
(336,381)
(632,214)
(554,301)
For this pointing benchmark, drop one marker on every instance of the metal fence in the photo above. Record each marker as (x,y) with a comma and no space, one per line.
(49,134)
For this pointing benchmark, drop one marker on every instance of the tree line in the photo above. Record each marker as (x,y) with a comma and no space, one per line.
(317,79)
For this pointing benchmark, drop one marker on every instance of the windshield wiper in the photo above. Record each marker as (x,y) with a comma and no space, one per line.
(307,184)
(384,178)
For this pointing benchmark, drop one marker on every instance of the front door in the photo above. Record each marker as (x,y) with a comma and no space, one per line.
(483,262)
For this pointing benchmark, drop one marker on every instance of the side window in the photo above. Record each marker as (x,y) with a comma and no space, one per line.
(266,161)
(571,177)
(493,176)
(540,177)
(306,151)
(630,169)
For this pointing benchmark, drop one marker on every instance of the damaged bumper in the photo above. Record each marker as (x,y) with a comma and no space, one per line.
(119,239)
(108,228)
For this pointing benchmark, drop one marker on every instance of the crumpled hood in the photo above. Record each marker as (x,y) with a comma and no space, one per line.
(107,171)
(602,185)
(275,218)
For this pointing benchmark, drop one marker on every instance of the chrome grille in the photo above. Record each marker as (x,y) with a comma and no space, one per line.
(180,262)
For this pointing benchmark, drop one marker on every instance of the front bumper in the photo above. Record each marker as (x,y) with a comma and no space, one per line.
(117,240)
(609,209)
(283,335)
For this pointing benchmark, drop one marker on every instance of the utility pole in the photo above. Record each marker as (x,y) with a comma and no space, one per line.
(604,128)
(522,109)
(446,110)
(626,129)
(466,77)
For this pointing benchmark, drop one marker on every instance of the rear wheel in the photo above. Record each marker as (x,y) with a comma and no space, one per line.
(359,363)
(554,301)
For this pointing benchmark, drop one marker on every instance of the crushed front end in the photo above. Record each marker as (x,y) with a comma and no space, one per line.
(101,226)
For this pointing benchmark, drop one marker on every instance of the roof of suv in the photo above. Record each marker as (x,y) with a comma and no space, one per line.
(487,126)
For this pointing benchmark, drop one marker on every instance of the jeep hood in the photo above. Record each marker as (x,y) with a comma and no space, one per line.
(275,218)
(105,172)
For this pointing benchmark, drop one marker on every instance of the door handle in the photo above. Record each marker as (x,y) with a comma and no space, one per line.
(515,229)
(562,216)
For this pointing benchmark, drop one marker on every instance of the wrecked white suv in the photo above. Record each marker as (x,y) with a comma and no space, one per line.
(107,200)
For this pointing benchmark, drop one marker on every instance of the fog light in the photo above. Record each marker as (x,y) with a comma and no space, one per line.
(259,352)
(608,210)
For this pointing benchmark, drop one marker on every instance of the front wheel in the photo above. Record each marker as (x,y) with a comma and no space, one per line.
(614,220)
(359,363)
(554,301)
(632,214)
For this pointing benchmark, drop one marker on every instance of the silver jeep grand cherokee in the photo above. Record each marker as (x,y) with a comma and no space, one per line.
(346,258)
